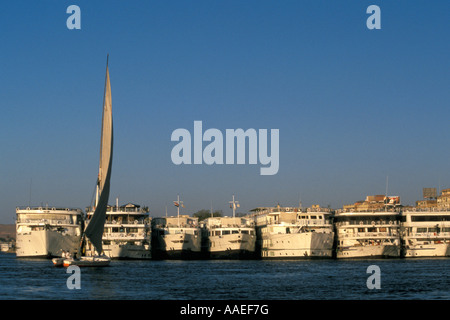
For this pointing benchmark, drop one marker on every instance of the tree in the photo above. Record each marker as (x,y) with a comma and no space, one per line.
(203,214)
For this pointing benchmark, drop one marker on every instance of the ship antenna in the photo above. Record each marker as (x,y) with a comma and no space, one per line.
(386,197)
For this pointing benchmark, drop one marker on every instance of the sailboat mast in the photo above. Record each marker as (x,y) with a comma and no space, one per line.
(96,195)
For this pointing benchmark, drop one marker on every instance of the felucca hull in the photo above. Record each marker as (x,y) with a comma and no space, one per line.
(97,261)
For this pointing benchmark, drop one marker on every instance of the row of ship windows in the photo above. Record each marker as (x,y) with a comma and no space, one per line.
(225,232)
(424,230)
(310,217)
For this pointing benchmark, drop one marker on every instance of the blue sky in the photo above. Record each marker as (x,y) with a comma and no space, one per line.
(353,105)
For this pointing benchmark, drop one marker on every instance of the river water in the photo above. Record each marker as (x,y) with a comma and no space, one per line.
(397,279)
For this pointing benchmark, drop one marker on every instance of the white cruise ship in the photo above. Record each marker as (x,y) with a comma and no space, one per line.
(127,232)
(425,233)
(230,238)
(367,234)
(290,233)
(176,238)
(47,231)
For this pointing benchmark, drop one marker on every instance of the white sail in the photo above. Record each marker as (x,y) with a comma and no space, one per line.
(94,230)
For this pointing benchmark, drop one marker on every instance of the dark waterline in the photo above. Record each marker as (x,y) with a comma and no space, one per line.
(424,279)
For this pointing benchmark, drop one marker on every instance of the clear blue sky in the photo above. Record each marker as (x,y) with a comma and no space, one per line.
(353,105)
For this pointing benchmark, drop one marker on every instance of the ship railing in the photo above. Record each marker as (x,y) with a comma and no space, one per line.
(367,223)
(264,211)
(181,225)
(125,209)
(59,222)
(47,208)
(242,226)
(390,210)
(430,234)
(314,222)
(369,235)
(123,235)
(127,221)
(432,209)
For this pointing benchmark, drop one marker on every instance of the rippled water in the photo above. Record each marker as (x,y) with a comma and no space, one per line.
(31,279)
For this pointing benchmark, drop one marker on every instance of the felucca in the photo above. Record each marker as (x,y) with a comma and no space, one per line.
(94,230)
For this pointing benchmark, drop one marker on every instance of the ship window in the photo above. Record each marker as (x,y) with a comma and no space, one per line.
(226,232)
(371,229)
(421,230)
(245,231)
(313,217)
(430,218)
(234,231)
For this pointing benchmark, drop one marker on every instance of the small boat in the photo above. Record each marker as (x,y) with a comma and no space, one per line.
(58,262)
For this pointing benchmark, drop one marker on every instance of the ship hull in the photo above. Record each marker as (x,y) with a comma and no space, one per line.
(45,244)
(233,246)
(427,250)
(298,245)
(177,246)
(375,251)
(127,251)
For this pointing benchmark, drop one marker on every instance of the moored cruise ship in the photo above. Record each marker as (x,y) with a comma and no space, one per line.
(425,233)
(177,237)
(291,233)
(47,231)
(127,232)
(367,234)
(369,229)
(230,237)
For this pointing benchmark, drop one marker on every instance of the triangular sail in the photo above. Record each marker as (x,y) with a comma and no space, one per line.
(94,230)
